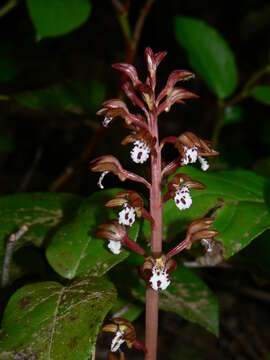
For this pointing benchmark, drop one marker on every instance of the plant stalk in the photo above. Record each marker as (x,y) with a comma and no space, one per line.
(151,325)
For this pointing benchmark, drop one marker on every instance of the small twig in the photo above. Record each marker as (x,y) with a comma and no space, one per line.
(140,22)
(240,96)
(11,4)
(93,354)
(27,177)
(12,241)
(119,7)
(84,156)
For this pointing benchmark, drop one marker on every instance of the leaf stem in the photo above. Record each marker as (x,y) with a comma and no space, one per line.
(240,96)
(12,241)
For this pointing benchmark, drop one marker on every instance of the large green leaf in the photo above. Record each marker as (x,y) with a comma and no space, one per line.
(42,212)
(57,17)
(75,249)
(209,54)
(49,321)
(189,297)
(71,97)
(262,94)
(242,198)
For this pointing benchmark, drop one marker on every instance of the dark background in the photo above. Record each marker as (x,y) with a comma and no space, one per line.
(48,145)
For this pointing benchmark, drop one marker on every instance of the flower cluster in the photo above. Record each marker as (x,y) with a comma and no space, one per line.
(143,136)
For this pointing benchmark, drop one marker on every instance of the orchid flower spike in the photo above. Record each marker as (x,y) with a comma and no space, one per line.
(178,188)
(157,272)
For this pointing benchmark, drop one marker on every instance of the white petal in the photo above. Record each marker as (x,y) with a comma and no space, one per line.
(117,341)
(160,279)
(182,198)
(204,163)
(101,178)
(191,155)
(106,121)
(115,246)
(126,216)
(140,152)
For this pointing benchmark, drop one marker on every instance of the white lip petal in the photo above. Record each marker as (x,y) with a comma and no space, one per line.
(106,121)
(99,183)
(204,163)
(127,216)
(117,341)
(183,199)
(115,246)
(140,152)
(191,155)
(160,279)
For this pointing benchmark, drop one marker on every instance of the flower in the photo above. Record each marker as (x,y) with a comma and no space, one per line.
(198,230)
(124,333)
(182,198)
(143,145)
(156,272)
(114,108)
(140,152)
(132,204)
(127,215)
(118,237)
(193,148)
(178,188)
(115,233)
(106,164)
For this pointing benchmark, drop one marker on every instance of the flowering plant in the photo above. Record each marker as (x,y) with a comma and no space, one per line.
(144,137)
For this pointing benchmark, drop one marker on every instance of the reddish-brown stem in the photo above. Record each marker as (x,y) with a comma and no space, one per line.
(128,243)
(151,334)
(180,247)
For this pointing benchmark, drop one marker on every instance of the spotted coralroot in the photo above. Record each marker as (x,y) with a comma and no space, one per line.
(145,150)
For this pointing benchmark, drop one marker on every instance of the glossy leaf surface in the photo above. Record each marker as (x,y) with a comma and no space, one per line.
(209,54)
(57,17)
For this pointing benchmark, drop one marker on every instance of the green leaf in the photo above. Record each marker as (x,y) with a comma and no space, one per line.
(262,94)
(242,213)
(209,54)
(232,114)
(72,97)
(42,212)
(127,310)
(49,321)
(189,297)
(6,145)
(75,250)
(57,17)
(7,70)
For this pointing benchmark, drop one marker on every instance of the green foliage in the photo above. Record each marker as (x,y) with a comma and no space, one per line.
(189,297)
(57,17)
(72,97)
(242,210)
(262,94)
(50,321)
(75,250)
(41,212)
(126,309)
(6,145)
(209,54)
(232,114)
